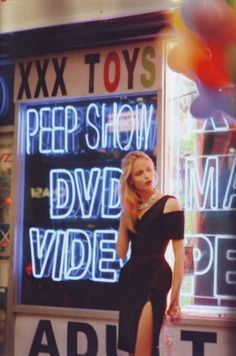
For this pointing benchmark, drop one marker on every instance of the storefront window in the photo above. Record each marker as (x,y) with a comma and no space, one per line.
(201,171)
(71,153)
(5,205)
(6,154)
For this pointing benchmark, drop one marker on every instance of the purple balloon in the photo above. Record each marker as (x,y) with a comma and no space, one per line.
(201,107)
(212,100)
(227,101)
(188,10)
(207,18)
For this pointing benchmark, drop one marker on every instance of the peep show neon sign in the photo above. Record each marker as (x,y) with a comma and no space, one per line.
(57,130)
(83,205)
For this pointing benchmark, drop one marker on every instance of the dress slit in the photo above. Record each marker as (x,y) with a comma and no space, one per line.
(148,300)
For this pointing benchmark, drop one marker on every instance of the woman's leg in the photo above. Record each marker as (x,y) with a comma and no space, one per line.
(144,341)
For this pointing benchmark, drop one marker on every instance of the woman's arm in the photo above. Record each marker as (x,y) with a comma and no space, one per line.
(178,271)
(123,240)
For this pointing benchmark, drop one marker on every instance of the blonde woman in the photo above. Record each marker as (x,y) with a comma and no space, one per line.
(148,222)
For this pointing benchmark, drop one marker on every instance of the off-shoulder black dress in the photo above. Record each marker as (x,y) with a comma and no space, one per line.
(147,276)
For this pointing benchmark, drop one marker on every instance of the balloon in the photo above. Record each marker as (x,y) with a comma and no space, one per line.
(177,59)
(210,19)
(212,70)
(211,100)
(231,3)
(231,62)
(207,53)
(201,107)
(188,11)
(177,22)
(186,56)
(200,53)
(227,101)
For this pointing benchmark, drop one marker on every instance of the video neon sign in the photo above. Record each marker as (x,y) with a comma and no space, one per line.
(74,254)
(81,192)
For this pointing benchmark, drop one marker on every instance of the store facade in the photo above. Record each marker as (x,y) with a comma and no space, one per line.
(80,97)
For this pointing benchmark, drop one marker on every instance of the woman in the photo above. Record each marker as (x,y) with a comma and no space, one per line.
(149,220)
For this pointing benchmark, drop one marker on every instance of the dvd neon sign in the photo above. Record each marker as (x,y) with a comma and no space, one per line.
(88,194)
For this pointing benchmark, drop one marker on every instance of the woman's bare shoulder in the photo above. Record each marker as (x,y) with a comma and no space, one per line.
(171,205)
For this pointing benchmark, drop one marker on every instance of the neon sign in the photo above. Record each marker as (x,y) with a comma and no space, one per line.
(202,185)
(4,100)
(58,130)
(74,254)
(214,258)
(221,123)
(202,174)
(77,148)
(76,194)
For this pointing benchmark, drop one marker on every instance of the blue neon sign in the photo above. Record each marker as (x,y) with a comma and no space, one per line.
(77,128)
(72,205)
(6,94)
(88,194)
(4,100)
(74,254)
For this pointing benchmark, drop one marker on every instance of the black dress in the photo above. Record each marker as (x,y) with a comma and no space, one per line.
(147,276)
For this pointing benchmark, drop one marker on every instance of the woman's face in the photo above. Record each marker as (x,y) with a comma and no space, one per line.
(143,175)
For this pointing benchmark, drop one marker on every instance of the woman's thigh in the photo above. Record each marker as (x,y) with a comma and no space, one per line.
(144,339)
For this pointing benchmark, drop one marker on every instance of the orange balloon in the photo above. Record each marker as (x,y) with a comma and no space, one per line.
(177,59)
(186,56)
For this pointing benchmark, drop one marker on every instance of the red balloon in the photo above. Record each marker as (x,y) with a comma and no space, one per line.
(212,70)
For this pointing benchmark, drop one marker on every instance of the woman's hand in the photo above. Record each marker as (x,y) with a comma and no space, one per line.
(174,312)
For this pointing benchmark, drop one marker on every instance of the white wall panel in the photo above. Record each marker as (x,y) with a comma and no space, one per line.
(18,15)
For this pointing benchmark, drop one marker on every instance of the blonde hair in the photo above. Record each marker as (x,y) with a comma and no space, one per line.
(129,197)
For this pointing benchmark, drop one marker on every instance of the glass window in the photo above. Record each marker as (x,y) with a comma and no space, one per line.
(71,153)
(201,169)
(5,207)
